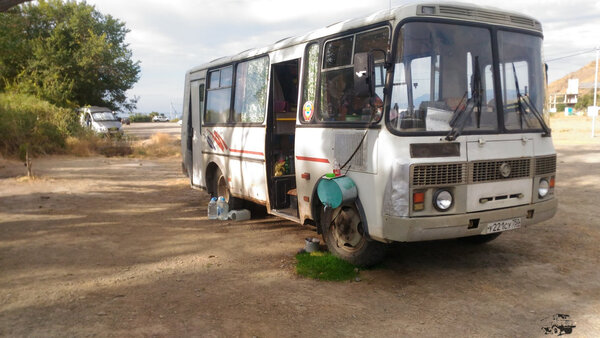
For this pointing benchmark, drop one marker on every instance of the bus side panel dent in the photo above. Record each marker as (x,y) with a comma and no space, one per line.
(396,200)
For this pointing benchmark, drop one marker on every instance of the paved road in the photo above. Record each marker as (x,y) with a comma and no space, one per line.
(144,130)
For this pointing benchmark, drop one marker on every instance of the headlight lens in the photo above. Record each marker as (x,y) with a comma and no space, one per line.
(543,188)
(442,200)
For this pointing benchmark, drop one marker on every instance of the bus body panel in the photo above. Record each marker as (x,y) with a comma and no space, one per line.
(246,169)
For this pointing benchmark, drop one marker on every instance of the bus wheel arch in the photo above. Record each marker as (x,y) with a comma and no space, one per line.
(347,235)
(219,185)
(211,171)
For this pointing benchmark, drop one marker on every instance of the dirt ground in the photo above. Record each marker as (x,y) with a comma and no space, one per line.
(122,247)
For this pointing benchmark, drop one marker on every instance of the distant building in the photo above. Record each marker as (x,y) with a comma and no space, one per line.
(568,98)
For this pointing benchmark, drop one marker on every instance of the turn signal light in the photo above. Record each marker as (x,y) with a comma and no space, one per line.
(418,201)
(552,182)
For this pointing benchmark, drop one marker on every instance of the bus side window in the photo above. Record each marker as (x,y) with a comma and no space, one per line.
(309,82)
(338,100)
(218,96)
(251,91)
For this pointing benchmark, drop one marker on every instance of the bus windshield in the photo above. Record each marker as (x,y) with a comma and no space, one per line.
(443,72)
(444,80)
(522,79)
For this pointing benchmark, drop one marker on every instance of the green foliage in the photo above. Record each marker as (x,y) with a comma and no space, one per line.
(137,117)
(30,124)
(67,53)
(586,100)
(560,107)
(152,114)
(324,266)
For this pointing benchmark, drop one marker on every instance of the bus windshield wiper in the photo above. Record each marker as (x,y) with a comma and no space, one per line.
(460,116)
(523,100)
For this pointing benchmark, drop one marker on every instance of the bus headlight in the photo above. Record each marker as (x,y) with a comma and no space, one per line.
(442,200)
(543,188)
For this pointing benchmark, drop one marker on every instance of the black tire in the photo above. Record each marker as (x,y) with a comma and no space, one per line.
(568,331)
(556,330)
(480,239)
(221,188)
(346,239)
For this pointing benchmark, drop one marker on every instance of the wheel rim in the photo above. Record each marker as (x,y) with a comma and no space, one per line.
(556,330)
(222,188)
(347,229)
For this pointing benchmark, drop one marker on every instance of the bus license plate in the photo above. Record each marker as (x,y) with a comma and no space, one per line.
(507,224)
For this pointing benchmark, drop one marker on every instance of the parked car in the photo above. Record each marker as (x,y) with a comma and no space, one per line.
(101,120)
(124,120)
(160,118)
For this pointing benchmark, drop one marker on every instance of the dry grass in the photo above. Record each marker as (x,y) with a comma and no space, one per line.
(91,144)
(159,145)
(574,130)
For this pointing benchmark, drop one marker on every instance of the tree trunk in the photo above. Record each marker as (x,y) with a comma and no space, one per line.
(28,163)
(6,4)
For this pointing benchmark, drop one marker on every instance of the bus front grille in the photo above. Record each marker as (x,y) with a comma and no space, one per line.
(486,171)
(428,175)
(545,165)
(424,175)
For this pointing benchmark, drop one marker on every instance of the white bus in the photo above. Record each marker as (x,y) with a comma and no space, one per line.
(434,112)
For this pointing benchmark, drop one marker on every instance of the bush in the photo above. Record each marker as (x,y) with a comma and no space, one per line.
(137,117)
(28,124)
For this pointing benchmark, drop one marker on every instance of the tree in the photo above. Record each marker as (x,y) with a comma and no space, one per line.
(67,53)
(586,100)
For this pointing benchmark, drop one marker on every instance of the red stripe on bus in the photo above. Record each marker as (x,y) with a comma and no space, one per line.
(312,159)
(247,152)
(217,135)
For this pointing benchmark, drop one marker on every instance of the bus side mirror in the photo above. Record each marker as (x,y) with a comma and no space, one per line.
(364,75)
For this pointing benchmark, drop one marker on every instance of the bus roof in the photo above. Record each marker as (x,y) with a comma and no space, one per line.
(411,8)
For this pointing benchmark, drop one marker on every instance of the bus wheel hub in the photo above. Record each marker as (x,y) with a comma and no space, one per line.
(347,228)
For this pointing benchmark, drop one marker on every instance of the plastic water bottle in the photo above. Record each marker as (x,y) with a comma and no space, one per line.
(336,169)
(222,209)
(212,208)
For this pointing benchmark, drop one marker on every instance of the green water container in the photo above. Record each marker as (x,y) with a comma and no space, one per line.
(337,191)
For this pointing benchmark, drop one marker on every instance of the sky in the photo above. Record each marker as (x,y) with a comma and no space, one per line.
(170,37)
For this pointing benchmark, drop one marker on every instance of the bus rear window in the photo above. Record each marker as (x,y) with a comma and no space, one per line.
(218,96)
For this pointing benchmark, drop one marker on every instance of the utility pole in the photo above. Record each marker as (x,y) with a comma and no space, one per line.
(595,91)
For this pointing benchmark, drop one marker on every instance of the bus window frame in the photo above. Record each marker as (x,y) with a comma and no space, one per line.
(493,29)
(230,122)
(314,123)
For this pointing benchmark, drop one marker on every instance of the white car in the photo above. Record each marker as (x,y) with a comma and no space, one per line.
(160,118)
(101,120)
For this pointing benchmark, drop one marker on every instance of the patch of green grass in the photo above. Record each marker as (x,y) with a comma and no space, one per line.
(324,266)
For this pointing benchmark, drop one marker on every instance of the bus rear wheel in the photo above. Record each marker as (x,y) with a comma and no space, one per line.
(221,188)
(346,238)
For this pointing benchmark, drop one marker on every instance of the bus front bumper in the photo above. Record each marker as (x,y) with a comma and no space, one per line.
(453,226)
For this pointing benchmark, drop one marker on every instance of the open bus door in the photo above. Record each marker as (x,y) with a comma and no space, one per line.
(280,137)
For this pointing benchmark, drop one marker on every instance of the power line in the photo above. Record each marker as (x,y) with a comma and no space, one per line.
(571,55)
(559,54)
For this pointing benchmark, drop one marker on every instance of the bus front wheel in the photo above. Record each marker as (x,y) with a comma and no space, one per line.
(346,238)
